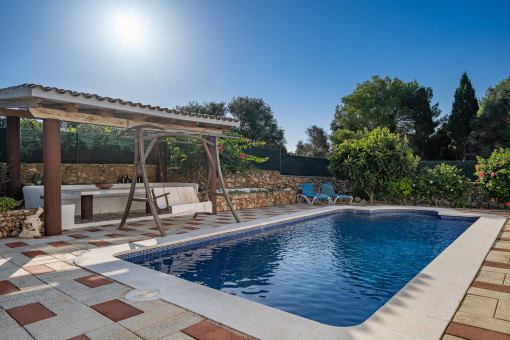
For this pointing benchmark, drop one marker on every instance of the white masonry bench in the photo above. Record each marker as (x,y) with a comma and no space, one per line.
(111,200)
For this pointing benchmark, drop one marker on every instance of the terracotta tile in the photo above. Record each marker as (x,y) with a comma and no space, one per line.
(93,281)
(475,333)
(79,337)
(116,310)
(155,228)
(491,286)
(58,244)
(206,330)
(182,232)
(92,230)
(30,313)
(503,239)
(151,235)
(38,269)
(114,235)
(6,287)
(134,224)
(191,228)
(496,264)
(78,236)
(501,249)
(127,229)
(16,244)
(34,253)
(136,241)
(100,243)
(165,224)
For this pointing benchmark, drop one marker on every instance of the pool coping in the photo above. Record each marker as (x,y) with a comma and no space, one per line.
(422,309)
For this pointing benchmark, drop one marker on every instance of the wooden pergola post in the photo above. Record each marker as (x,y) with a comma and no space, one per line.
(162,162)
(211,170)
(13,154)
(52,181)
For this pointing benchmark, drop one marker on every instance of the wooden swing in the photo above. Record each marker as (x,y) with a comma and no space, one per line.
(155,134)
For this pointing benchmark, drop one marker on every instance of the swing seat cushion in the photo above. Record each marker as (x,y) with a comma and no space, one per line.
(180,200)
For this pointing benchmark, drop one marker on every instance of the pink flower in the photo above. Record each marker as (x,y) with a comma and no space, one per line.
(481,175)
(507,203)
(495,150)
(492,174)
(492,199)
(221,147)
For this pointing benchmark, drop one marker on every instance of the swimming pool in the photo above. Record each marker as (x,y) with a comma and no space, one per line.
(336,269)
(422,309)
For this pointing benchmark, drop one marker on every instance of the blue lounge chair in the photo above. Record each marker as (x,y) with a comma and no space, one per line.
(309,193)
(327,189)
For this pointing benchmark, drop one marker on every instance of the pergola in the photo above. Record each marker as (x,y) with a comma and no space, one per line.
(155,123)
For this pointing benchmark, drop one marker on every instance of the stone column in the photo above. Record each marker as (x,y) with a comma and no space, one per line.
(13,157)
(52,181)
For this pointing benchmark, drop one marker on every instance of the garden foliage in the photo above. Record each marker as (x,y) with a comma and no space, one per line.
(7,203)
(377,158)
(443,182)
(494,176)
(188,160)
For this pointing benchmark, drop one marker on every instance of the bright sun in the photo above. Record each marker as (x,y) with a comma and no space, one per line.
(128,28)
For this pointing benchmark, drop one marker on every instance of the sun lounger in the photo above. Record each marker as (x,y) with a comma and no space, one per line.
(310,196)
(327,189)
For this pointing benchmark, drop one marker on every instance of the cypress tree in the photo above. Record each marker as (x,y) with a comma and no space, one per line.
(464,109)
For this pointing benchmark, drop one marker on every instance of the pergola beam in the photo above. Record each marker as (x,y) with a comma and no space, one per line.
(79,117)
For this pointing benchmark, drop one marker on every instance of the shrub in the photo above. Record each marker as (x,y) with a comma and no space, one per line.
(378,157)
(494,176)
(442,182)
(400,189)
(7,203)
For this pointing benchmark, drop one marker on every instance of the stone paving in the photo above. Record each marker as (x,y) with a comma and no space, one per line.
(43,295)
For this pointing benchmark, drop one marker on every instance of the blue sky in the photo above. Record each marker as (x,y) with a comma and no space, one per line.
(301,57)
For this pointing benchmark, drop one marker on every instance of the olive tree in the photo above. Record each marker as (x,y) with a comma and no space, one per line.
(377,158)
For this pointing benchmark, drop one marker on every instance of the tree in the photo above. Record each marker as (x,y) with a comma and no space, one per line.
(491,128)
(378,158)
(423,117)
(387,103)
(257,122)
(207,108)
(317,146)
(464,109)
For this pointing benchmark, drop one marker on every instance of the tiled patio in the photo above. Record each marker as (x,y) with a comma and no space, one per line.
(44,295)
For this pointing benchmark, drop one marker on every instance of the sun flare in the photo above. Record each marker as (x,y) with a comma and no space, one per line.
(129,28)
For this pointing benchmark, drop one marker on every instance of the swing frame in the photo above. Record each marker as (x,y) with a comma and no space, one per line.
(157,134)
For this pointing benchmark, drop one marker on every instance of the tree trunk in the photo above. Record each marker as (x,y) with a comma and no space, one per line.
(372,197)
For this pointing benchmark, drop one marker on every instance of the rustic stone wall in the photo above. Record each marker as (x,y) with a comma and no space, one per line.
(274,180)
(77,173)
(13,220)
(258,199)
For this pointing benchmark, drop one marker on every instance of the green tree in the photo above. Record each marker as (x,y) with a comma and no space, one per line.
(207,108)
(464,109)
(257,122)
(423,116)
(317,146)
(491,128)
(402,107)
(378,158)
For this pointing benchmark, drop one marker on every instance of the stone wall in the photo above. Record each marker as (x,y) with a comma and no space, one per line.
(258,199)
(77,173)
(13,220)
(274,180)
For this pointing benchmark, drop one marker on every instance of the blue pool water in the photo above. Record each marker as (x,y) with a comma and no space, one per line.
(336,270)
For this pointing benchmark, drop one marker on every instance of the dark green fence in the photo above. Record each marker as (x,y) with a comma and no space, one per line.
(108,149)
(77,148)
